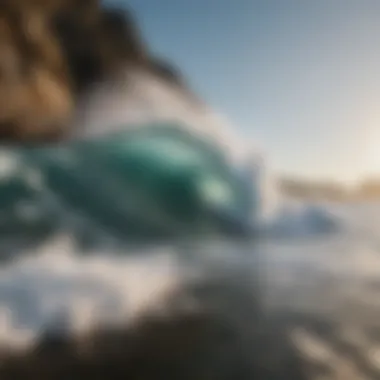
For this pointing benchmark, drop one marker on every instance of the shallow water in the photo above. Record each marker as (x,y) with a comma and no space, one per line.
(318,267)
(307,268)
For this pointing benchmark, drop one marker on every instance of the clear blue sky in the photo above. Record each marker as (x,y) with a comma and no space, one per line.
(300,76)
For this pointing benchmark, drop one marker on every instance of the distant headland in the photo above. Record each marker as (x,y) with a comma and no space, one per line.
(299,188)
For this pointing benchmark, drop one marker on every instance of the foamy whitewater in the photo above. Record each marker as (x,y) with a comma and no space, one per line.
(304,250)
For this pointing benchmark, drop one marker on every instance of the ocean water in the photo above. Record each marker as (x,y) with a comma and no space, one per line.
(328,281)
(320,260)
(333,272)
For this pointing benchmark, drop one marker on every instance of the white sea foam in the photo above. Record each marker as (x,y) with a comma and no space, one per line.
(56,287)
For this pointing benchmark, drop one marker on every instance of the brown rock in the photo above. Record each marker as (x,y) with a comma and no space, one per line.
(53,51)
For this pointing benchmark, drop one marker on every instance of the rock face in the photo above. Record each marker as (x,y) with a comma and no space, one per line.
(51,52)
